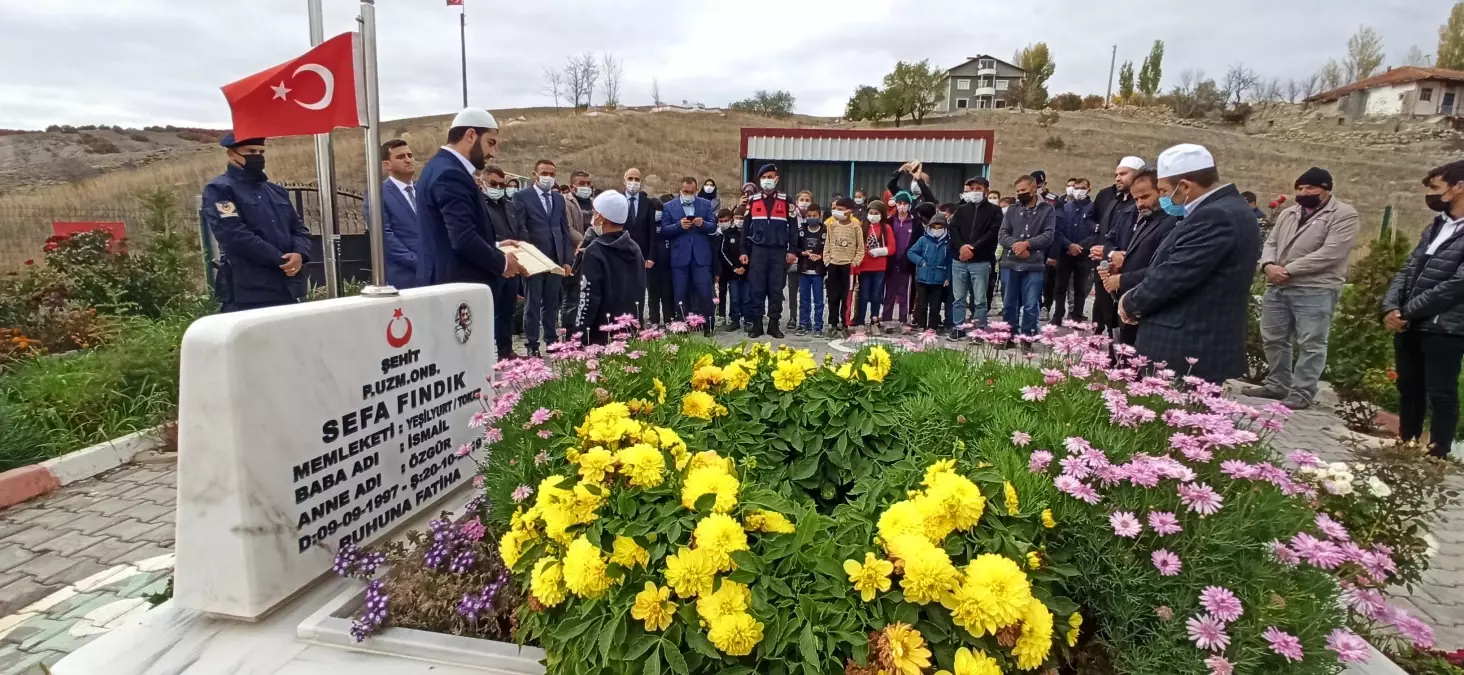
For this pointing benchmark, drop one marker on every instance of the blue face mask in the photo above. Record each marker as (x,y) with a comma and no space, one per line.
(1170,207)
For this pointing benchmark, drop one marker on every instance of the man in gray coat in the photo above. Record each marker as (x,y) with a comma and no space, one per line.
(1305,263)
(1026,232)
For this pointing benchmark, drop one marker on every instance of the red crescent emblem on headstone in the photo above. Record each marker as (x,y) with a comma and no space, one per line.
(394,341)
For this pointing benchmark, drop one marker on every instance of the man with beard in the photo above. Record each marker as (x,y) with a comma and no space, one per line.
(458,241)
(1128,268)
(1114,213)
(507,228)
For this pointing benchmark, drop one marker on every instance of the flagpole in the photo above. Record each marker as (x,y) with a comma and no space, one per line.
(325,176)
(378,287)
(463,38)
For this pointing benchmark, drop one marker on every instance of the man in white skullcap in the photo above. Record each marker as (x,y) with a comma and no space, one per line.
(1192,306)
(612,272)
(1114,215)
(458,243)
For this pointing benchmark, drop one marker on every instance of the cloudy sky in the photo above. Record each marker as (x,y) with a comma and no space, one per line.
(139,62)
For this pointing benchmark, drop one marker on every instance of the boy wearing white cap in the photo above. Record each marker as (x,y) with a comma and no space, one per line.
(613,272)
(1192,306)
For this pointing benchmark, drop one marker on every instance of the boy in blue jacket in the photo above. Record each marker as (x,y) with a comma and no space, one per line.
(931,256)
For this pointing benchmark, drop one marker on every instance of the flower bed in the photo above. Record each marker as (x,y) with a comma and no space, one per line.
(667,506)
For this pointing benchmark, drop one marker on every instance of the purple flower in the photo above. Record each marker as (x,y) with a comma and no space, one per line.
(1417,632)
(1200,498)
(1367,602)
(1317,552)
(1304,459)
(1034,393)
(1283,643)
(462,561)
(1208,633)
(1164,523)
(521,493)
(1166,562)
(1221,603)
(373,615)
(1284,554)
(1220,665)
(472,530)
(540,416)
(1332,528)
(1021,438)
(1038,462)
(1349,647)
(1125,524)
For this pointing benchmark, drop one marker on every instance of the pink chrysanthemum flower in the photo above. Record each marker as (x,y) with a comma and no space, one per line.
(1283,643)
(1164,523)
(1125,524)
(1208,633)
(1221,603)
(1167,562)
(1034,393)
(1200,498)
(1304,459)
(1284,554)
(464,450)
(1021,438)
(521,493)
(1220,665)
(1039,460)
(540,416)
(1417,632)
(1317,552)
(545,433)
(1332,528)
(1349,647)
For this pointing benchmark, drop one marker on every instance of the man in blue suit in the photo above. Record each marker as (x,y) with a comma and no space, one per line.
(541,211)
(458,242)
(399,213)
(688,223)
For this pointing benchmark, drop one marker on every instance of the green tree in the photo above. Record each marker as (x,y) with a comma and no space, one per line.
(1152,72)
(1037,60)
(865,105)
(1126,81)
(1364,54)
(918,86)
(893,103)
(1451,40)
(774,104)
(1069,102)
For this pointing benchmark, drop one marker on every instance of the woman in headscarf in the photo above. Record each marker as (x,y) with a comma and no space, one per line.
(709,193)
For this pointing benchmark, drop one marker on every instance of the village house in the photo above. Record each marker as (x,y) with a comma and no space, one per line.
(981,82)
(1409,91)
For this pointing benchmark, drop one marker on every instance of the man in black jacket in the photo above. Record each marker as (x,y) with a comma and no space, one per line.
(973,245)
(506,227)
(1114,213)
(1193,305)
(613,272)
(1129,267)
(643,225)
(1424,306)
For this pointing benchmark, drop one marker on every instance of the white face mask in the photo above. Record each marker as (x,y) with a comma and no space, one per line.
(494,193)
(546,182)
(1071,190)
(973,197)
(736,223)
(994,200)
(510,190)
(768,183)
(859,201)
(584,192)
(875,217)
(938,233)
(688,199)
(840,214)
(709,189)
(632,187)
(803,206)
(1080,194)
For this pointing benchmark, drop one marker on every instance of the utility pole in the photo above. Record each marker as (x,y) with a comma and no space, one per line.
(325,176)
(1107,100)
(463,38)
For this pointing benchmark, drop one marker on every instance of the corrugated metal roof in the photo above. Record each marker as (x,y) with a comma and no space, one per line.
(898,150)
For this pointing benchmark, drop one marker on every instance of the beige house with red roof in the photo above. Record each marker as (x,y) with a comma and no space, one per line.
(1409,91)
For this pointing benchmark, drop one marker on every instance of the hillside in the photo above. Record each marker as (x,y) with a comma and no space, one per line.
(668,145)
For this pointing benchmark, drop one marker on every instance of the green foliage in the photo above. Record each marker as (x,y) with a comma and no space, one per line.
(1364,54)
(865,105)
(1152,72)
(1037,60)
(913,89)
(1360,350)
(1069,102)
(773,104)
(1451,40)
(1126,81)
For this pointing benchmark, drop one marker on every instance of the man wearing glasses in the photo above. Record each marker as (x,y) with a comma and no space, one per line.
(506,227)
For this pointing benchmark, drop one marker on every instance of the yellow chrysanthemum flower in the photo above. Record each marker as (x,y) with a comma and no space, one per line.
(642,465)
(701,405)
(605,414)
(1075,623)
(731,598)
(710,459)
(788,376)
(584,569)
(908,653)
(902,517)
(992,596)
(735,634)
(960,500)
(871,578)
(1047,520)
(595,463)
(689,572)
(942,466)
(659,389)
(770,522)
(720,535)
(876,364)
(737,375)
(1035,643)
(1013,505)
(547,582)
(1075,620)
(1034,561)
(710,480)
(845,371)
(973,663)
(629,554)
(653,606)
(706,377)
(928,575)
(703,361)
(511,547)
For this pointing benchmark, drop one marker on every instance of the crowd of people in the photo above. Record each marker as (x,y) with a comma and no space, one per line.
(1167,252)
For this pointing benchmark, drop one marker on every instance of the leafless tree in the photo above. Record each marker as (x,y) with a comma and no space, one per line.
(1239,81)
(1331,75)
(590,72)
(1294,88)
(1416,57)
(554,85)
(581,73)
(1311,86)
(656,90)
(612,68)
(1271,91)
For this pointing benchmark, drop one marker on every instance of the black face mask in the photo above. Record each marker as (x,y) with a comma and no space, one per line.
(1309,201)
(1436,203)
(254,166)
(1026,198)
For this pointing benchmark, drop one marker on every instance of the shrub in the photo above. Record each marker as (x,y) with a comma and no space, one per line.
(1360,350)
(140,138)
(1238,114)
(1068,101)
(97,145)
(1092,102)
(1054,143)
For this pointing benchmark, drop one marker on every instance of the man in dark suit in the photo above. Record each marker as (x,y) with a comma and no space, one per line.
(541,210)
(399,226)
(458,242)
(1129,267)
(1191,308)
(507,228)
(689,223)
(644,228)
(1113,214)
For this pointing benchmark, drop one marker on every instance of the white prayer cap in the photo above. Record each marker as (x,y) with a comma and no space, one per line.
(474,117)
(1131,162)
(612,206)
(1184,158)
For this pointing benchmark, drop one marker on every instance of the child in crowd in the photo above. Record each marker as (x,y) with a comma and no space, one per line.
(879,239)
(804,201)
(811,239)
(932,258)
(613,272)
(733,261)
(844,250)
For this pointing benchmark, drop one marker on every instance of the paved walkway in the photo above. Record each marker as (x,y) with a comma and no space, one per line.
(84,559)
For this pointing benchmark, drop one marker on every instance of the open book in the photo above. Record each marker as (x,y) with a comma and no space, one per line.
(533,260)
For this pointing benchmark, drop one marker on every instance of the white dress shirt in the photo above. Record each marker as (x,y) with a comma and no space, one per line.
(466,164)
(1445,232)
(400,185)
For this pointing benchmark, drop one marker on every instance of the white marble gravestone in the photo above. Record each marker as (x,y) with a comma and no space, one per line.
(305,427)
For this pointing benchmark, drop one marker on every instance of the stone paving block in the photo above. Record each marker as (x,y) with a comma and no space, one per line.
(46,518)
(112,506)
(80,569)
(161,494)
(21,664)
(76,501)
(23,592)
(145,475)
(10,655)
(35,631)
(154,588)
(65,642)
(125,474)
(166,477)
(12,555)
(128,529)
(46,565)
(69,543)
(143,552)
(109,551)
(33,537)
(171,517)
(133,490)
(147,511)
(137,587)
(89,523)
(89,603)
(161,535)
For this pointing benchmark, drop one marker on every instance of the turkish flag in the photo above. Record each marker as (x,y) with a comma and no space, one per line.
(454,3)
(309,95)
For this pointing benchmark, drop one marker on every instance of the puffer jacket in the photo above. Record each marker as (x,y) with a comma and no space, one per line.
(1429,290)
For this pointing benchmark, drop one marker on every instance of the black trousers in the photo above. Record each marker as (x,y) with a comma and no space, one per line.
(1105,312)
(1428,377)
(930,299)
(836,285)
(662,305)
(1074,283)
(1049,286)
(767,273)
(505,302)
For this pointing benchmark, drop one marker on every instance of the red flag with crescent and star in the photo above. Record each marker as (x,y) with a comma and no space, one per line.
(312,94)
